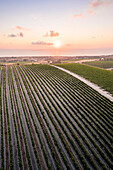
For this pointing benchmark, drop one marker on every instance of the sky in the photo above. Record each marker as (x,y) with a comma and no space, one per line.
(56,27)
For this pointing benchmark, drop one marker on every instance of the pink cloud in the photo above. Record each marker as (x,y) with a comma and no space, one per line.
(78,16)
(68,44)
(52,34)
(96,3)
(18,27)
(91,12)
(22,28)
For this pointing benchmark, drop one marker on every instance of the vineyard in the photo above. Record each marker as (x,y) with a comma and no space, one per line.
(101,64)
(101,77)
(51,120)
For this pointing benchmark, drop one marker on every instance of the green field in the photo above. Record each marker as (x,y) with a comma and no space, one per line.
(103,78)
(101,64)
(50,120)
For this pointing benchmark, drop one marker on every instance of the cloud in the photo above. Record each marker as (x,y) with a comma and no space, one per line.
(21,34)
(18,27)
(12,35)
(90,12)
(97,3)
(52,34)
(22,28)
(16,35)
(78,15)
(68,44)
(93,5)
(41,43)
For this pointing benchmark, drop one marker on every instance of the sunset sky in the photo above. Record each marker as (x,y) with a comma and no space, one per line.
(56,27)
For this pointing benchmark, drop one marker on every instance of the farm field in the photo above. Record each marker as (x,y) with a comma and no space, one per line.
(101,64)
(51,120)
(101,77)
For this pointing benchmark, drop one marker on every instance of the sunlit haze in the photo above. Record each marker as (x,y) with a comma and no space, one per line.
(44,27)
(57,44)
